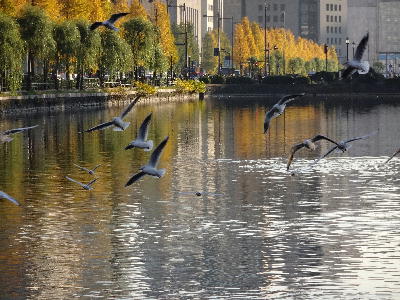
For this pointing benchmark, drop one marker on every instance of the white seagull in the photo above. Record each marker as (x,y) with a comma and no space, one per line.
(5,135)
(356,65)
(87,187)
(278,109)
(394,154)
(8,197)
(309,144)
(119,124)
(151,167)
(109,23)
(141,140)
(90,171)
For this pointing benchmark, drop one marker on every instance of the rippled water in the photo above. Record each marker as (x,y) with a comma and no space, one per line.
(331,232)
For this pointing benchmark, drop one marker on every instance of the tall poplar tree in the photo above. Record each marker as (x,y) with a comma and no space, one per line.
(242,50)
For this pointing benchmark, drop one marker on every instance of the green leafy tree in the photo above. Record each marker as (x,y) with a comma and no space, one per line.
(296,65)
(276,63)
(140,35)
(378,66)
(88,52)
(192,46)
(36,31)
(116,55)
(67,39)
(11,54)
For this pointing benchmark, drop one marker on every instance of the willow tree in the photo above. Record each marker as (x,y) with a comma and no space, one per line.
(116,55)
(67,39)
(10,59)
(36,31)
(88,52)
(139,34)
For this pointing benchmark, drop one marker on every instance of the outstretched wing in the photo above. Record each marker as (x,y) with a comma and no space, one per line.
(348,72)
(73,180)
(294,149)
(99,127)
(129,107)
(326,154)
(268,117)
(91,182)
(82,168)
(95,167)
(17,130)
(144,128)
(394,154)
(115,17)
(322,137)
(134,178)
(155,156)
(361,48)
(286,99)
(360,137)
(95,25)
(8,197)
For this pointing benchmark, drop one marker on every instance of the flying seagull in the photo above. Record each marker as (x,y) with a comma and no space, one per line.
(87,187)
(394,154)
(151,167)
(119,124)
(5,135)
(141,140)
(109,23)
(91,172)
(8,197)
(278,109)
(356,64)
(309,144)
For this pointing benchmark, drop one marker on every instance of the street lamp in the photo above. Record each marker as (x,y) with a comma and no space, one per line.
(265,40)
(354,46)
(347,48)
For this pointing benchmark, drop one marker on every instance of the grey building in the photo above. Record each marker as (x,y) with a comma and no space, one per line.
(324,21)
(381,18)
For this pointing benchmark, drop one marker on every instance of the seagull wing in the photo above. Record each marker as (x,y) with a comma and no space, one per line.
(360,137)
(394,154)
(16,130)
(326,154)
(144,128)
(129,107)
(361,48)
(91,182)
(82,168)
(95,167)
(294,149)
(322,137)
(99,127)
(134,178)
(286,99)
(8,197)
(95,25)
(73,180)
(115,17)
(268,117)
(155,156)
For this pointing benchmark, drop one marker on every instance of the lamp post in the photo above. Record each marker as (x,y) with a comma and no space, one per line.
(265,40)
(354,46)
(347,48)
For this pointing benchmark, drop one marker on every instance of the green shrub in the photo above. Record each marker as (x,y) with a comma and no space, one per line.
(217,79)
(239,80)
(144,89)
(190,86)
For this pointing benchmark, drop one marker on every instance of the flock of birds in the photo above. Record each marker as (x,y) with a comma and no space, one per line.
(142,142)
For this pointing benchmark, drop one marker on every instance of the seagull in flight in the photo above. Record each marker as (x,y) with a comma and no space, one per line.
(394,154)
(119,124)
(87,187)
(356,65)
(309,144)
(151,167)
(91,172)
(141,140)
(8,197)
(278,109)
(109,23)
(5,135)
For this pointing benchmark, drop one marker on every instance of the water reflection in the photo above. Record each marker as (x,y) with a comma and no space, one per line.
(330,232)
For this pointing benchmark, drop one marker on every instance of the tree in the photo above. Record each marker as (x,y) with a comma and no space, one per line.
(36,31)
(209,62)
(116,55)
(296,66)
(12,7)
(242,51)
(248,33)
(137,10)
(192,46)
(139,34)
(10,60)
(51,7)
(378,66)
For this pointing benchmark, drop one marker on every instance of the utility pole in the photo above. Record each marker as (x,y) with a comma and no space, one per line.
(219,42)
(265,40)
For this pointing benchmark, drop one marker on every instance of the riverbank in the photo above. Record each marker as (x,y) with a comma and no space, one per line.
(73,100)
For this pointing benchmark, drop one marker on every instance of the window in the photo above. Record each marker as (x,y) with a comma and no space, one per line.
(327,40)
(275,7)
(335,41)
(268,19)
(327,7)
(327,29)
(340,18)
(260,19)
(335,7)
(282,7)
(340,29)
(276,19)
(340,41)
(335,18)
(331,40)
(327,18)
(331,18)
(331,7)
(340,7)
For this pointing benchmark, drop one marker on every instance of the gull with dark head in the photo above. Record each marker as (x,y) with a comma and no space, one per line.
(151,167)
(393,155)
(278,109)
(90,171)
(87,187)
(8,197)
(109,23)
(309,144)
(117,122)
(5,135)
(141,140)
(356,65)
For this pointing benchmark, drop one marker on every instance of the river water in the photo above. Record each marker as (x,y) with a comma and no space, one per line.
(331,232)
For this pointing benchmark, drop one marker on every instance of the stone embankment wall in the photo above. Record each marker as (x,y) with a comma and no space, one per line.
(63,101)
